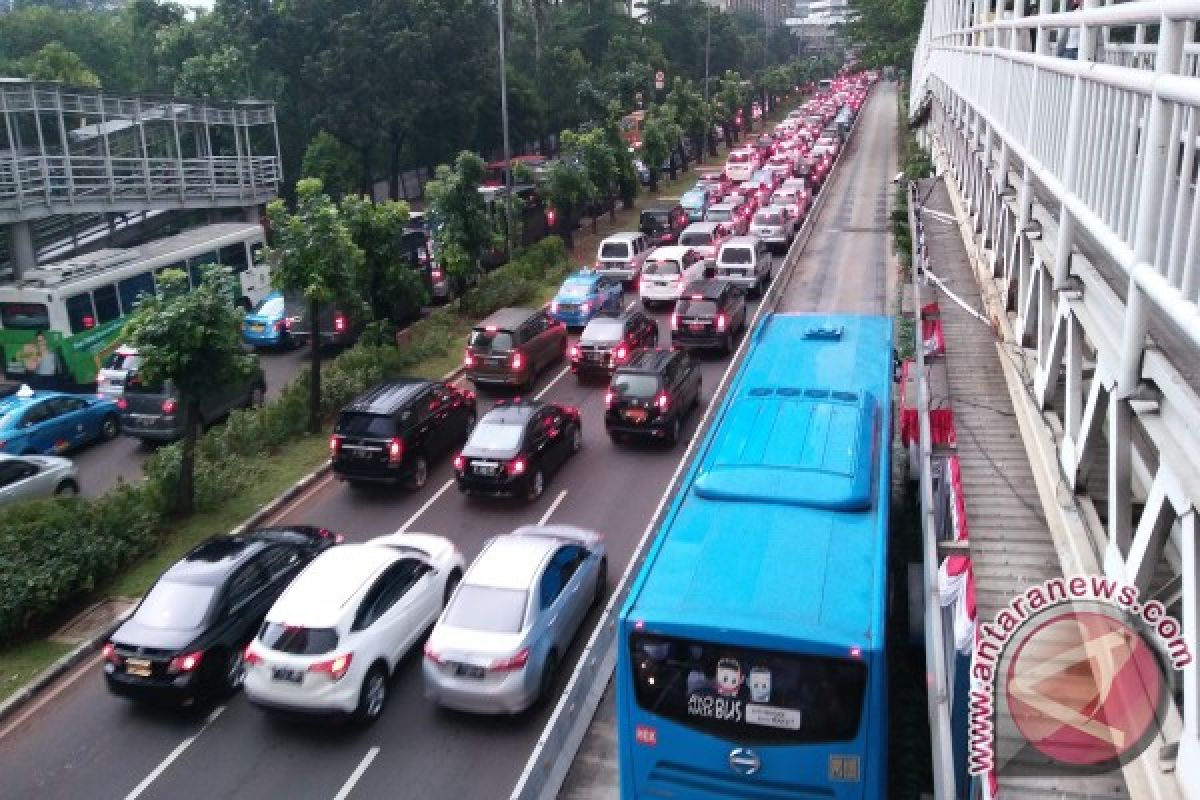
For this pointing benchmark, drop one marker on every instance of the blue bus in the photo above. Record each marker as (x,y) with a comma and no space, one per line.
(751,653)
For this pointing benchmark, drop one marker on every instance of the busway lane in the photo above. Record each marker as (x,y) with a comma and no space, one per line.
(426,752)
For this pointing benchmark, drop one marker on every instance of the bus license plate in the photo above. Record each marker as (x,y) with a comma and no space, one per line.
(287,675)
(468,671)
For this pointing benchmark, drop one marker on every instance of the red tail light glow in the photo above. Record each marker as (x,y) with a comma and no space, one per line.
(335,667)
(395,450)
(279,325)
(516,466)
(722,321)
(586,308)
(335,445)
(662,402)
(169,405)
(609,396)
(512,663)
(339,322)
(622,352)
(122,403)
(517,361)
(674,321)
(185,663)
(553,306)
(574,352)
(251,657)
(432,654)
(437,274)
(110,653)
(460,462)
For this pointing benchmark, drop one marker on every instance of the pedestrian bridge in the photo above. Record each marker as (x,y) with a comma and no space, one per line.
(1071,138)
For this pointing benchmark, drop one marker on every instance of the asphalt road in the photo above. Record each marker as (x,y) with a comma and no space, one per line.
(77,741)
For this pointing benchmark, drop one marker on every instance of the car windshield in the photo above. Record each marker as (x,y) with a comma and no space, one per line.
(576,288)
(298,640)
(737,255)
(696,239)
(486,608)
(483,339)
(739,158)
(272,306)
(784,197)
(496,436)
(603,330)
(614,250)
(635,385)
(352,423)
(655,218)
(693,200)
(173,605)
(719,215)
(661,268)
(125,360)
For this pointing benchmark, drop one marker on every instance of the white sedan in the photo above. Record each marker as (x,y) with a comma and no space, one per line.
(32,477)
(333,638)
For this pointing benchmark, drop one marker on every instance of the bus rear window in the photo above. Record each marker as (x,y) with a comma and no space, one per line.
(746,695)
(24,316)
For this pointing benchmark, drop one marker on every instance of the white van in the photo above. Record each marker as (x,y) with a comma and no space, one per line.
(741,164)
(621,256)
(666,272)
(746,261)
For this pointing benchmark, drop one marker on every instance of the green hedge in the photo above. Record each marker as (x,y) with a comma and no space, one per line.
(53,552)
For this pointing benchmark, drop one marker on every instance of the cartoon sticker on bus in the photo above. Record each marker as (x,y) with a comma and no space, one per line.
(729,677)
(760,684)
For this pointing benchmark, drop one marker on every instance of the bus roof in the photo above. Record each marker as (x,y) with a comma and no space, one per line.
(780,527)
(89,265)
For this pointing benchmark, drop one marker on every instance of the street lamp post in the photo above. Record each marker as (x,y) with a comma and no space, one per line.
(707,45)
(508,177)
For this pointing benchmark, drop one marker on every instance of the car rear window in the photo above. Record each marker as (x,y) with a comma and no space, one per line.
(746,695)
(719,215)
(496,436)
(737,255)
(24,316)
(174,605)
(355,423)
(603,330)
(655,217)
(661,268)
(486,608)
(634,384)
(763,218)
(696,308)
(298,640)
(696,239)
(614,250)
(738,158)
(270,307)
(483,339)
(123,360)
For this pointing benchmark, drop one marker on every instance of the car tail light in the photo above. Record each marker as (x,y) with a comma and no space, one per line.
(622,352)
(553,306)
(516,466)
(250,656)
(109,652)
(517,361)
(460,462)
(722,321)
(574,352)
(609,397)
(437,274)
(468,360)
(169,405)
(586,308)
(395,450)
(674,321)
(287,323)
(515,662)
(433,655)
(335,445)
(122,403)
(185,663)
(662,402)
(335,667)
(278,326)
(339,322)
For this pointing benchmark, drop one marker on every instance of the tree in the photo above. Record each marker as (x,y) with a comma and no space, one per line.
(190,340)
(567,188)
(55,62)
(885,30)
(461,228)
(219,74)
(694,116)
(592,152)
(332,163)
(627,178)
(318,258)
(656,148)
(387,278)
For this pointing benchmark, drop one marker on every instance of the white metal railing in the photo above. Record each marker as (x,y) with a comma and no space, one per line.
(1078,171)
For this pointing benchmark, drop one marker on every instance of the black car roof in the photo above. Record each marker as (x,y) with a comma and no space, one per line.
(386,398)
(710,290)
(647,361)
(507,318)
(662,209)
(513,411)
(211,561)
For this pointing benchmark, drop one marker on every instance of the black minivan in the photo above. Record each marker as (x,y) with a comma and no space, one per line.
(663,224)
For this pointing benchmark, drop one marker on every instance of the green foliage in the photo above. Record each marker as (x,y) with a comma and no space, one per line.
(518,281)
(331,162)
(885,31)
(220,73)
(462,229)
(592,151)
(55,62)
(389,283)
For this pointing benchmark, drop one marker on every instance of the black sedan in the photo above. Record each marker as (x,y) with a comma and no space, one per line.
(516,446)
(184,642)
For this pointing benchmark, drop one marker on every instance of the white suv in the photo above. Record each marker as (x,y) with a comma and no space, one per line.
(621,256)
(666,272)
(746,261)
(741,164)
(705,238)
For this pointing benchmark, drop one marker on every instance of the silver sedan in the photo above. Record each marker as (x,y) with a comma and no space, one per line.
(497,646)
(32,477)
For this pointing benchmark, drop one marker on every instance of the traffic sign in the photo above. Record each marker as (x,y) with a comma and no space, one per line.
(660,79)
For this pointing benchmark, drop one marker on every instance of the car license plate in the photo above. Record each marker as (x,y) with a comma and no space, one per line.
(287,675)
(697,326)
(138,666)
(468,671)
(485,467)
(258,327)
(636,415)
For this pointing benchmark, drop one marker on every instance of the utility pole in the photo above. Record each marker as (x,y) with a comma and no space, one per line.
(508,176)
(707,46)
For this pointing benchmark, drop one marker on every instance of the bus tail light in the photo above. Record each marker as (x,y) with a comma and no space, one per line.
(515,662)
(856,652)
(644,734)
(395,450)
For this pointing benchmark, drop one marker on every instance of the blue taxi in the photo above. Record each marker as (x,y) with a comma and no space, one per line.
(50,423)
(267,324)
(584,295)
(695,202)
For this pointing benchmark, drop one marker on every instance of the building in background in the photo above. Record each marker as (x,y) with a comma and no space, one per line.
(817,23)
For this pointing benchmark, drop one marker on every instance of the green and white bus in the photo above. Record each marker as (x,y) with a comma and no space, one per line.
(61,321)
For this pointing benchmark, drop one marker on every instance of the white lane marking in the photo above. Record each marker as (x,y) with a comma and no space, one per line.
(550,385)
(629,306)
(174,754)
(348,786)
(425,506)
(549,511)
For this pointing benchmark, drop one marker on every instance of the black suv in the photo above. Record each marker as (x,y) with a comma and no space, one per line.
(663,224)
(649,395)
(185,640)
(512,346)
(608,342)
(708,314)
(516,446)
(391,432)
